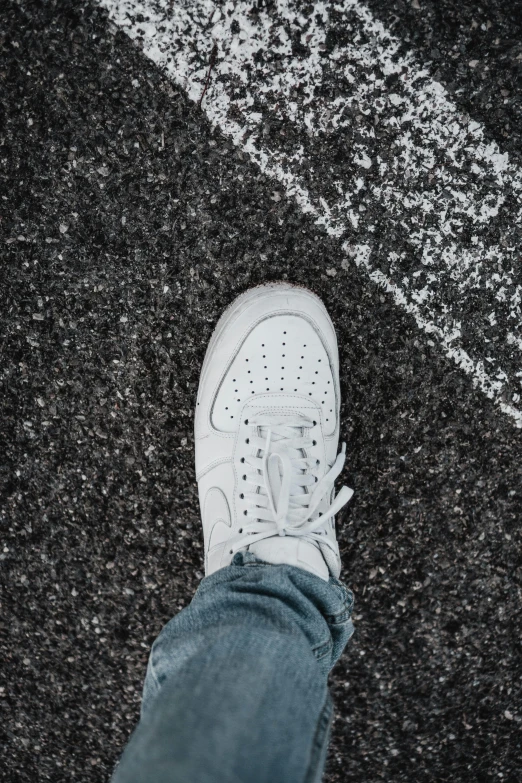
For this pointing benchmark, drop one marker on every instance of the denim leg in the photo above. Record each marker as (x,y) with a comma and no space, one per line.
(236,686)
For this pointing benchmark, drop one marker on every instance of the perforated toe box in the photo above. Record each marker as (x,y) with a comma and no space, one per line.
(282,353)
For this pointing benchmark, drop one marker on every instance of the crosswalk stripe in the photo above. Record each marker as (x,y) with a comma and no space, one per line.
(420,196)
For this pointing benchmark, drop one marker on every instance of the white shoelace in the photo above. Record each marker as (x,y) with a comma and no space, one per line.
(281,502)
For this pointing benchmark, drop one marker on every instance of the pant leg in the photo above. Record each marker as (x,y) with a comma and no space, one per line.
(236,686)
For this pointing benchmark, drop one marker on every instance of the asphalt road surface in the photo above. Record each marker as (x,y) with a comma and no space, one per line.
(157,159)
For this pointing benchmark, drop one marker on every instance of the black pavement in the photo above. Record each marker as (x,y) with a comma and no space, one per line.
(127,225)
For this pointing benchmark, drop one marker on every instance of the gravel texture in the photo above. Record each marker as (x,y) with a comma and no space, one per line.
(474,49)
(127,225)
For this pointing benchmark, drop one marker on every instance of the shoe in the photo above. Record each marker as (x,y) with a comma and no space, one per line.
(267,433)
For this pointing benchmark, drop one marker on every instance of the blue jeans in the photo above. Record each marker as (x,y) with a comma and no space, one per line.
(236,686)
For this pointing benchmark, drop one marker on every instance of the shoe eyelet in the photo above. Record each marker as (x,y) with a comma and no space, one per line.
(241,496)
(244,478)
(242,459)
(231,551)
(314,443)
(247,440)
(245,512)
(315,423)
(240,530)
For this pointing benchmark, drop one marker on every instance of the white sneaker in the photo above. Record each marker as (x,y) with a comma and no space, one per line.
(267,431)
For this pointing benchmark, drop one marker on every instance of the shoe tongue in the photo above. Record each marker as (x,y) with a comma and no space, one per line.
(282,404)
(290,550)
(278,403)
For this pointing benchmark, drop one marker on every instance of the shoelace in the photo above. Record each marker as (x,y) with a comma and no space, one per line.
(281,502)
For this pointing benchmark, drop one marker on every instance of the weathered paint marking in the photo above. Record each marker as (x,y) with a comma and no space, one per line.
(408,156)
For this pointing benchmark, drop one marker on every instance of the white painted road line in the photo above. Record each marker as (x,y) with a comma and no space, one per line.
(372,135)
